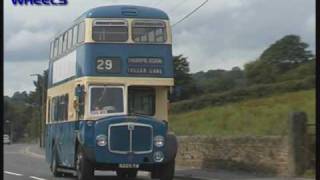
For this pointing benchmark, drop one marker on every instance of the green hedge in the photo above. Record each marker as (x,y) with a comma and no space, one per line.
(252,92)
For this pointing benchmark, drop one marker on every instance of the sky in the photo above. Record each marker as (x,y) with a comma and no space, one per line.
(220,35)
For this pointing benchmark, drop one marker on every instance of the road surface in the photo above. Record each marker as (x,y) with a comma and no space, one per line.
(26,162)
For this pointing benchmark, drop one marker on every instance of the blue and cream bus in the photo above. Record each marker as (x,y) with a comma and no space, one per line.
(110,73)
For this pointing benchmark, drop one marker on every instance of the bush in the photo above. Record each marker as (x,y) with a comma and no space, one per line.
(252,92)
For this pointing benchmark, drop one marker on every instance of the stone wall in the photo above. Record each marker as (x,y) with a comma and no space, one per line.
(259,154)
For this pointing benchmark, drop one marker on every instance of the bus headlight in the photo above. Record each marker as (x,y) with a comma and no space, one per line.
(101,140)
(158,141)
(158,156)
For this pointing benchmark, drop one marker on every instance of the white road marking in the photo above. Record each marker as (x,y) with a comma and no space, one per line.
(37,178)
(12,173)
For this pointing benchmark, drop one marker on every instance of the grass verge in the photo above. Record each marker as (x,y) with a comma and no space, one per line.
(263,116)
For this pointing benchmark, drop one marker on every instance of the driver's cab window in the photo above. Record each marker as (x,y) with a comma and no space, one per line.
(141,100)
(106,100)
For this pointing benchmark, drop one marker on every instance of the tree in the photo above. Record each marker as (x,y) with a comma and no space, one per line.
(184,86)
(39,98)
(218,80)
(181,70)
(282,56)
(23,110)
(288,50)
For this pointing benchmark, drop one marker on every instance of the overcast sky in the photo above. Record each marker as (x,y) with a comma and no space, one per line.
(221,35)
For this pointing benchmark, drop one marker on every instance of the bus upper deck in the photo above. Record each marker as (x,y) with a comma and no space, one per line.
(113,41)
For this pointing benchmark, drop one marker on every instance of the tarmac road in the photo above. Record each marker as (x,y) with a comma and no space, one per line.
(26,162)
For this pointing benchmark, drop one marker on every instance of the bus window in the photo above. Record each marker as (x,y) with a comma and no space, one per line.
(69,39)
(49,109)
(63,108)
(51,49)
(60,45)
(66,98)
(106,100)
(149,31)
(54,110)
(75,35)
(55,49)
(110,30)
(141,100)
(59,108)
(81,32)
(65,41)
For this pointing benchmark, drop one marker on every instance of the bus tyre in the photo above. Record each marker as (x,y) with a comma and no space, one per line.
(84,168)
(132,174)
(167,171)
(54,164)
(127,173)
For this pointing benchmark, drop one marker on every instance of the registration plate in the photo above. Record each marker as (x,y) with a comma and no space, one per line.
(129,166)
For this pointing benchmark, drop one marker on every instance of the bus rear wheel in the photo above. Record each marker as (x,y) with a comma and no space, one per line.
(85,171)
(54,164)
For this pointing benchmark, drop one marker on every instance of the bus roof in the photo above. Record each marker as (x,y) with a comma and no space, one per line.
(124,11)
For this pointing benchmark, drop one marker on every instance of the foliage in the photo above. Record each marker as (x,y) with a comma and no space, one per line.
(19,113)
(288,50)
(219,80)
(240,94)
(184,85)
(22,111)
(301,71)
(284,55)
(264,116)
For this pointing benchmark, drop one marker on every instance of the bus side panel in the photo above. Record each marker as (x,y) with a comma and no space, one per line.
(52,140)
(87,138)
(63,136)
(69,143)
(48,145)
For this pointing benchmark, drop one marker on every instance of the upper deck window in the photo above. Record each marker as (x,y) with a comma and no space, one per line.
(65,41)
(70,39)
(55,48)
(149,31)
(60,45)
(75,35)
(106,100)
(51,49)
(81,32)
(110,30)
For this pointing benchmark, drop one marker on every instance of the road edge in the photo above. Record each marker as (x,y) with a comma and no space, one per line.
(27,151)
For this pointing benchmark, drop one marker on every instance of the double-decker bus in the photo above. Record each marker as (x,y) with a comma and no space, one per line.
(109,76)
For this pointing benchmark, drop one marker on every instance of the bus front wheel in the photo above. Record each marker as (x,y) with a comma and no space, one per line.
(84,168)
(166,171)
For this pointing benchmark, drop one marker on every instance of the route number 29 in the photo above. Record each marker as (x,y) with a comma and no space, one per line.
(104,64)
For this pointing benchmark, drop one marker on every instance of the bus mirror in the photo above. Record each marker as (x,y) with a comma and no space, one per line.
(79,91)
